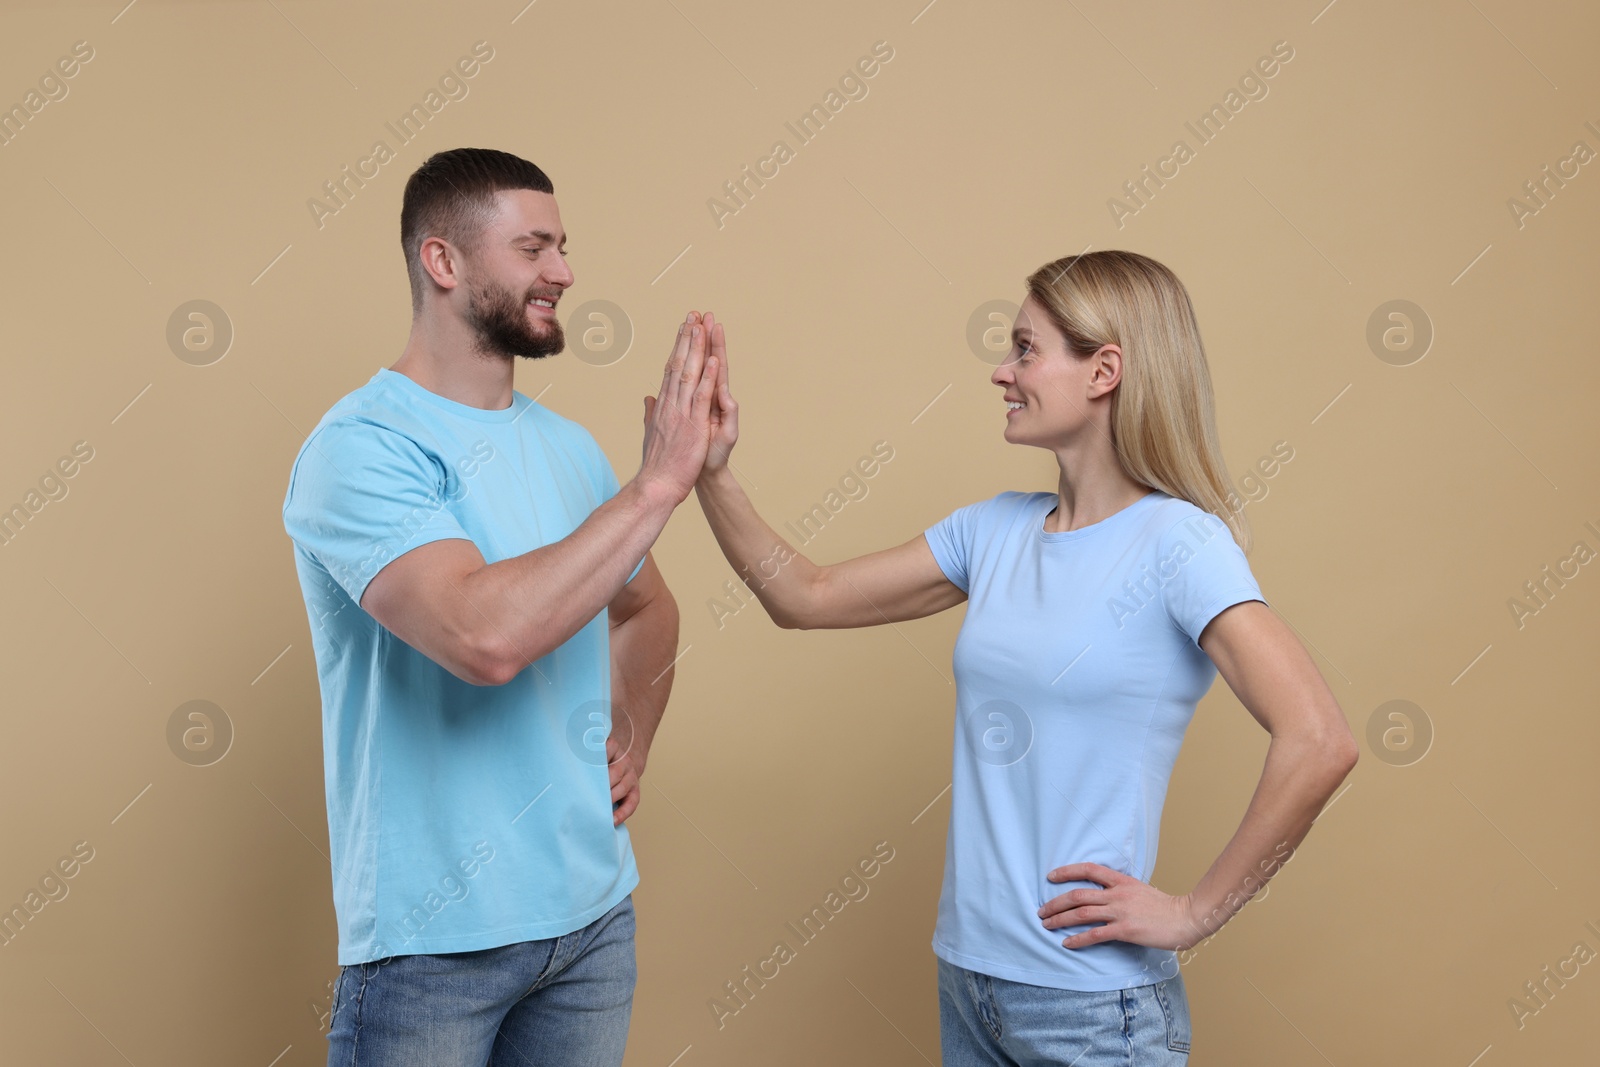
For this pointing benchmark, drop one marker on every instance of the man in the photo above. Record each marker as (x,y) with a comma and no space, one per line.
(456,544)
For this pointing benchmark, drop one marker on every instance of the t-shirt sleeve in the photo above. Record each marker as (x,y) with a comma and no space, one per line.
(1208,572)
(952,539)
(361,496)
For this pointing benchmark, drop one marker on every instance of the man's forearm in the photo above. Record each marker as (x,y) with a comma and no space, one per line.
(643,647)
(534,602)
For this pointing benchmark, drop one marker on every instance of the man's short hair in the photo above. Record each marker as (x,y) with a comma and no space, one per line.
(452,196)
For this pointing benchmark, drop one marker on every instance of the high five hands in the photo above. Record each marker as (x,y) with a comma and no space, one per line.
(693,422)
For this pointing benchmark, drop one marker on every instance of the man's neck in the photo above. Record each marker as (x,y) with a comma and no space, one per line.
(453,368)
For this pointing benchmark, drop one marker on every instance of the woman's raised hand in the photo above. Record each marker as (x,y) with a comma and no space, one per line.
(724,410)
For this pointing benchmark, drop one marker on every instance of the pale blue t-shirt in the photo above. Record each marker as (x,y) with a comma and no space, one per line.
(460,817)
(1077,671)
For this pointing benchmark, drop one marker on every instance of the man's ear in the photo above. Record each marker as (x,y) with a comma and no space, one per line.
(441,262)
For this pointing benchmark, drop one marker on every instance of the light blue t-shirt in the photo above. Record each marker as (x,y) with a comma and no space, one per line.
(460,817)
(1077,672)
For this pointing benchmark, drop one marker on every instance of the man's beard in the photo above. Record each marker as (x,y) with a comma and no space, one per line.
(500,320)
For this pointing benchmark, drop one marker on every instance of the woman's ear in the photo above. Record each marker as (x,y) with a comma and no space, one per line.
(1107,370)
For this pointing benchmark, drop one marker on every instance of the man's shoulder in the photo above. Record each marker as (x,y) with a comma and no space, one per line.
(377,408)
(368,422)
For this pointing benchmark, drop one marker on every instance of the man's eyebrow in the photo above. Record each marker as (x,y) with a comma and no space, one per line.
(543,235)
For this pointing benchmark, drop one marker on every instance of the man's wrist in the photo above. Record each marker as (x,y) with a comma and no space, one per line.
(656,496)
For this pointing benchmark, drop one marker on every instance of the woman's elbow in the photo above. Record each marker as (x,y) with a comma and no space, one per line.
(785,619)
(1339,752)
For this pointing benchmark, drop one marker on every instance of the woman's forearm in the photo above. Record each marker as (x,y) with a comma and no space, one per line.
(1300,774)
(780,577)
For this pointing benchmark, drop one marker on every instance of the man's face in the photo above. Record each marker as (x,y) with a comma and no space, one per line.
(515,278)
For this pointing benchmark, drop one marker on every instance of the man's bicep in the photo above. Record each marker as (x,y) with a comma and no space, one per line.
(362,496)
(422,597)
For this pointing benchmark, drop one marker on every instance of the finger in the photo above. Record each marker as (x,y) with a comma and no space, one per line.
(693,367)
(1078,917)
(629,805)
(704,392)
(649,406)
(622,772)
(1086,872)
(668,370)
(1107,932)
(719,348)
(1077,898)
(725,401)
(669,377)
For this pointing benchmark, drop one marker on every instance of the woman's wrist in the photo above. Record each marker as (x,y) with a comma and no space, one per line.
(715,480)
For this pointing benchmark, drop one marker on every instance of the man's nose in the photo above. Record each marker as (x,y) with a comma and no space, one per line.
(561,275)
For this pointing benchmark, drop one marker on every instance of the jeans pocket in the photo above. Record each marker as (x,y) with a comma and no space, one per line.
(1174,1002)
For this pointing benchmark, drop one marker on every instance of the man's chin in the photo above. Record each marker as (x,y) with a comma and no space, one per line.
(543,354)
(527,347)
(549,345)
(549,342)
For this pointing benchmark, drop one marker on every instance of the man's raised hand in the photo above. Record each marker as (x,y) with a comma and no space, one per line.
(677,421)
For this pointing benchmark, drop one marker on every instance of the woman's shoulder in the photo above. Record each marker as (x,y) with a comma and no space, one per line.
(1010,502)
(1172,516)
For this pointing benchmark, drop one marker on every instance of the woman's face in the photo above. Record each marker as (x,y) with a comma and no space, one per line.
(1049,390)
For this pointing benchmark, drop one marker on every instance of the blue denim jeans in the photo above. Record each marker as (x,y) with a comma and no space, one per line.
(991,1022)
(560,1002)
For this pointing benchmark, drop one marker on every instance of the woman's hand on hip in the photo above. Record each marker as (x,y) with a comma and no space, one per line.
(1126,909)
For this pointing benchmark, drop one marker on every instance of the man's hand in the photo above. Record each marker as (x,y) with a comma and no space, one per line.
(677,422)
(1130,910)
(624,782)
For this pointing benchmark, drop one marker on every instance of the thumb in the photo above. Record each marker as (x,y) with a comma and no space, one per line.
(649,406)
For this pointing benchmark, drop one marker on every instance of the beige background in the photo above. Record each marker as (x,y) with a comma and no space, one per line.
(1419,500)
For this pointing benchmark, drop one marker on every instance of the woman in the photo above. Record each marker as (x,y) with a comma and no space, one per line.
(1097,616)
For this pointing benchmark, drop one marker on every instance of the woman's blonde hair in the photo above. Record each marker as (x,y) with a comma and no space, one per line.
(1163,423)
